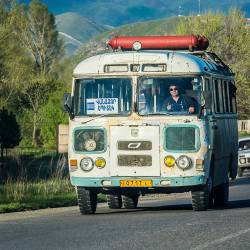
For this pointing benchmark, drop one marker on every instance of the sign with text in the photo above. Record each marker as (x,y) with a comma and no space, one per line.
(97,106)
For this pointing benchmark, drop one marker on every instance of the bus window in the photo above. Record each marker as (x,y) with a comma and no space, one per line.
(216,96)
(103,96)
(232,94)
(221,96)
(226,96)
(173,95)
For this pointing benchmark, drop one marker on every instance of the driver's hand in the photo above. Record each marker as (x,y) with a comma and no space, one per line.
(191,109)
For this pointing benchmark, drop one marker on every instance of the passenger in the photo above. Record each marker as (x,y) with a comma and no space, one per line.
(178,103)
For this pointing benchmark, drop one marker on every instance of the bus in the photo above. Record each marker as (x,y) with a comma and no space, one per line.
(156,114)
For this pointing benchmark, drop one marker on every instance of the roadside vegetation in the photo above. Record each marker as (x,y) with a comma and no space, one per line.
(34,74)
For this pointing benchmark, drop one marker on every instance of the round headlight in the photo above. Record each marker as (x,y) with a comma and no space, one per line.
(136,45)
(90,145)
(100,162)
(183,162)
(86,164)
(242,160)
(169,161)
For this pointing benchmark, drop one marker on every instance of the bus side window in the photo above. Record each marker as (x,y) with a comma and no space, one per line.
(216,96)
(226,96)
(221,96)
(232,94)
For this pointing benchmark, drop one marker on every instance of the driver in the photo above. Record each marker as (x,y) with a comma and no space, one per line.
(176,102)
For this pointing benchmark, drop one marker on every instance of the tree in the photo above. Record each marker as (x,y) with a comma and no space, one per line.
(10,135)
(51,115)
(37,32)
(229,38)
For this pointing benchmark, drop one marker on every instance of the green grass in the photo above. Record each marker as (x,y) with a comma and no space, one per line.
(22,195)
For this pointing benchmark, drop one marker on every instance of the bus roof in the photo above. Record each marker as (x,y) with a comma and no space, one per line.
(177,62)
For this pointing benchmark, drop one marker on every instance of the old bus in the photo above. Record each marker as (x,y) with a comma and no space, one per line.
(128,136)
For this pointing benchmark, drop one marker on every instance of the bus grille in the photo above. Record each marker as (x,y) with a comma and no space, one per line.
(135,160)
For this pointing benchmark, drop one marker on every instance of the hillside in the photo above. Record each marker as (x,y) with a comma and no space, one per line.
(76,30)
(117,12)
(157,27)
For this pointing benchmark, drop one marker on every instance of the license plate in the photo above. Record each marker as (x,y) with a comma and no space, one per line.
(136,183)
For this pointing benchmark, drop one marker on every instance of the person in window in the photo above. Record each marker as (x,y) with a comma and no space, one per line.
(178,103)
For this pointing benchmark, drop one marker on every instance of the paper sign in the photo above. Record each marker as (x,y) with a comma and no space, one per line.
(102,106)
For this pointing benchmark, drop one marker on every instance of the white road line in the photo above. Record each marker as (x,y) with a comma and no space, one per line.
(218,241)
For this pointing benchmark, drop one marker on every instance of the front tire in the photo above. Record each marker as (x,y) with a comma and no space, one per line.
(130,201)
(200,199)
(114,201)
(87,200)
(240,172)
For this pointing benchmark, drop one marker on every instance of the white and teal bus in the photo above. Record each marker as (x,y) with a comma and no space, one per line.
(125,141)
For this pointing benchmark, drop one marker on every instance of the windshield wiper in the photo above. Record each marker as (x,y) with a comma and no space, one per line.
(158,113)
(94,118)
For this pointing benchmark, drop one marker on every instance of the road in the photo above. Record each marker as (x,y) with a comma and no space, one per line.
(157,224)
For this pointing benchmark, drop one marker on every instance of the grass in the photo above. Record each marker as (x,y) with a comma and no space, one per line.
(21,195)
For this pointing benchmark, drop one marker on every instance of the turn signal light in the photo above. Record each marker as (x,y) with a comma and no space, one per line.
(169,161)
(73,164)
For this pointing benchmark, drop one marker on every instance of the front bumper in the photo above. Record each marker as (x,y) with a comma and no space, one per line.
(157,182)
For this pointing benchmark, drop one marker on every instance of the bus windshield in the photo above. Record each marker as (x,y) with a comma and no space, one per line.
(169,95)
(103,96)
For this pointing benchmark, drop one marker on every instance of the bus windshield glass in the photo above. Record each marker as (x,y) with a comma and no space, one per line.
(169,95)
(103,96)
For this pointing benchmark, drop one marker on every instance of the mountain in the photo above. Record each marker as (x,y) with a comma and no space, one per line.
(97,45)
(118,12)
(76,30)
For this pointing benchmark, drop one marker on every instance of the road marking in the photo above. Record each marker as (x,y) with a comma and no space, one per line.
(218,241)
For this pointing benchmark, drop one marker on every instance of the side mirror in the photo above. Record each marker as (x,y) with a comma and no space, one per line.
(67,104)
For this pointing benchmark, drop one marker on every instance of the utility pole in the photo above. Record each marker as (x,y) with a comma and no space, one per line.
(199,11)
(179,14)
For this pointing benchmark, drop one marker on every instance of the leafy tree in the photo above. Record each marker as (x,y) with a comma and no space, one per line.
(37,32)
(51,115)
(9,134)
(229,38)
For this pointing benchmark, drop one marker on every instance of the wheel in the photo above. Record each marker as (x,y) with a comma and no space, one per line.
(240,172)
(114,201)
(130,201)
(87,200)
(221,194)
(200,199)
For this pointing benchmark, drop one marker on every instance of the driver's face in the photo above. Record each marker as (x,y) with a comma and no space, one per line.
(173,89)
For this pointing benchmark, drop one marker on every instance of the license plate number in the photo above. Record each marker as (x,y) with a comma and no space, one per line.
(136,183)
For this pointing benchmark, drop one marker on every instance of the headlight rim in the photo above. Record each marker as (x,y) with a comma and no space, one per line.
(92,162)
(190,162)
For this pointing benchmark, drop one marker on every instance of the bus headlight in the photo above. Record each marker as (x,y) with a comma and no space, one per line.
(86,164)
(100,162)
(169,161)
(242,160)
(183,162)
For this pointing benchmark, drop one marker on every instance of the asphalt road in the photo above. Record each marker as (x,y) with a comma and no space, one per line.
(168,223)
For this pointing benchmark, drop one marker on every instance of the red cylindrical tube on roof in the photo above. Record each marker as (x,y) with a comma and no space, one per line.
(192,42)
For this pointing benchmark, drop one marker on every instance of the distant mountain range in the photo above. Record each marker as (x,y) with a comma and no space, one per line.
(76,30)
(118,12)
